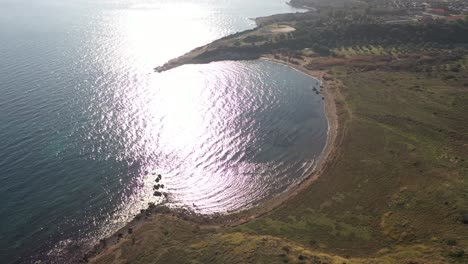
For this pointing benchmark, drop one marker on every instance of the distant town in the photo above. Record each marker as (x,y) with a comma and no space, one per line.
(404,11)
(396,11)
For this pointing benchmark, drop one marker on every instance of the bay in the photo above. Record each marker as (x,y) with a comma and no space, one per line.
(86,125)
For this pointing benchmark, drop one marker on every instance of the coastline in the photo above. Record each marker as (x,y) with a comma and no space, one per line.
(326,159)
(204,55)
(216,221)
(376,223)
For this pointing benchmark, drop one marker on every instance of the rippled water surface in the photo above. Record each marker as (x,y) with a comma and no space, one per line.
(85,125)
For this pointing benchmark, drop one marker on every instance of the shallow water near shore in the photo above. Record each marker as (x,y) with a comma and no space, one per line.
(85,125)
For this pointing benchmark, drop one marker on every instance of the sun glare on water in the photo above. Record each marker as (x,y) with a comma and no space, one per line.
(161,114)
(156,34)
(211,131)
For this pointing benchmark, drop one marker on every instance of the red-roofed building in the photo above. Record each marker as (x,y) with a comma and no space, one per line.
(439,11)
(455,17)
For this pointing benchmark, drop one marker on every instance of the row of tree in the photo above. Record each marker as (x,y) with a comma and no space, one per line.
(332,33)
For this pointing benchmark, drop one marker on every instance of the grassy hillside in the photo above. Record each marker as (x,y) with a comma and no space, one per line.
(396,192)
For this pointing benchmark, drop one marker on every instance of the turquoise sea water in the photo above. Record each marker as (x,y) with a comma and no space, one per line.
(85,123)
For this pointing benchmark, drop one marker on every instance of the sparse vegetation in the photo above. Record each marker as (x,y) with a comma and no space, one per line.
(397,190)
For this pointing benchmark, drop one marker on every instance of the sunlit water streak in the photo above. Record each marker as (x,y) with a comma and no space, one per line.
(85,123)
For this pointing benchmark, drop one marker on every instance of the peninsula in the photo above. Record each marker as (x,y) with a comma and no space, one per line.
(392,185)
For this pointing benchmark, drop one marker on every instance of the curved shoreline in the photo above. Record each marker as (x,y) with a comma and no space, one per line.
(326,158)
(216,221)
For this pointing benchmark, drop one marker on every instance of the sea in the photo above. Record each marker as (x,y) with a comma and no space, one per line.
(86,125)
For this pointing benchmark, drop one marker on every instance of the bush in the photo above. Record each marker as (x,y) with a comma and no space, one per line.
(457,253)
(451,242)
(253,38)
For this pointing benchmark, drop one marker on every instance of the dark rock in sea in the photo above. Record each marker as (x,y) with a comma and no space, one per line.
(158,178)
(158,194)
(465,218)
